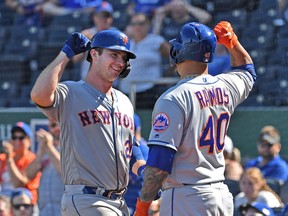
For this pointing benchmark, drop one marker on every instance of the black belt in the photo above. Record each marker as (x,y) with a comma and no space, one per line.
(112,194)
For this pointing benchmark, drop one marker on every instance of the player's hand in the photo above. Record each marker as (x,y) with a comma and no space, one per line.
(45,140)
(142,208)
(8,149)
(225,34)
(77,43)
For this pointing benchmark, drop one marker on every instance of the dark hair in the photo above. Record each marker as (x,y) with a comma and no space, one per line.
(99,50)
(21,191)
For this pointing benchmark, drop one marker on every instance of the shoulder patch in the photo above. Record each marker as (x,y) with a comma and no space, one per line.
(161,122)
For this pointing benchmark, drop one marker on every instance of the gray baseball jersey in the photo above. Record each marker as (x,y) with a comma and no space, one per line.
(96,135)
(192,117)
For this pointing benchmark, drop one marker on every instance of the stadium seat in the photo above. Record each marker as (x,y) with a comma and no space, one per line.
(236,17)
(284,192)
(59,34)
(21,102)
(14,69)
(275,185)
(6,15)
(120,19)
(233,186)
(3,103)
(4,35)
(74,19)
(24,48)
(31,32)
(8,89)
(22,44)
(46,53)
(200,3)
(266,12)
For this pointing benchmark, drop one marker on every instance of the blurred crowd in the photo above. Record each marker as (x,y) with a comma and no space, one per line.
(31,181)
(43,26)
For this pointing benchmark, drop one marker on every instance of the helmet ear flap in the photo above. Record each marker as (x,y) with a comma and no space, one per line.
(126,70)
(173,55)
(173,52)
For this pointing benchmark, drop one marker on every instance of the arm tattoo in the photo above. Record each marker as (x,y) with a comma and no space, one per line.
(153,180)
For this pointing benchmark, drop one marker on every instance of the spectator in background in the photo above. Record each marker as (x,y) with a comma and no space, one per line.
(64,7)
(16,159)
(5,206)
(269,161)
(169,18)
(146,7)
(135,181)
(256,209)
(233,167)
(221,61)
(150,50)
(102,18)
(254,188)
(22,202)
(47,161)
(27,11)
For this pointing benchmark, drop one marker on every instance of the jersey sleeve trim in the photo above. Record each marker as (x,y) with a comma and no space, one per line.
(249,68)
(161,143)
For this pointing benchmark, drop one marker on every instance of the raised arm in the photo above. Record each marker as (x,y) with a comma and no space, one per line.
(240,58)
(226,36)
(43,91)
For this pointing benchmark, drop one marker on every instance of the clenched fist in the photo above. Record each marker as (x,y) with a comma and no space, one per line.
(75,44)
(225,34)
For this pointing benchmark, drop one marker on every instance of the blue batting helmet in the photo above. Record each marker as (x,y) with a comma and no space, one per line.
(111,39)
(195,41)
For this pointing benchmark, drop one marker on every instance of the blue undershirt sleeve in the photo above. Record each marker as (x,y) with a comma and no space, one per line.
(248,67)
(161,157)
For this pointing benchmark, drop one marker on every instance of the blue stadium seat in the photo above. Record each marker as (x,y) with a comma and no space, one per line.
(8,89)
(236,17)
(46,53)
(14,69)
(74,19)
(4,35)
(233,186)
(59,34)
(120,19)
(21,102)
(31,32)
(6,15)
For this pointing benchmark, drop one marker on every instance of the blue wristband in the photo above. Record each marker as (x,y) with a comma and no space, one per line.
(68,51)
(140,170)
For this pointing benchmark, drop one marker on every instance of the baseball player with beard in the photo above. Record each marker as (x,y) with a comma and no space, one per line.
(190,121)
(96,123)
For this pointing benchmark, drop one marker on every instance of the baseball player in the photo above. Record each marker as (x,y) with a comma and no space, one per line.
(190,122)
(96,123)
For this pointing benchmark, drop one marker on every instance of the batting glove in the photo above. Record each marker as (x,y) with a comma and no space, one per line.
(142,208)
(75,44)
(225,34)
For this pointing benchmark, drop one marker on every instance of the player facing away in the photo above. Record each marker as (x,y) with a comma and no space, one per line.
(189,124)
(96,123)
